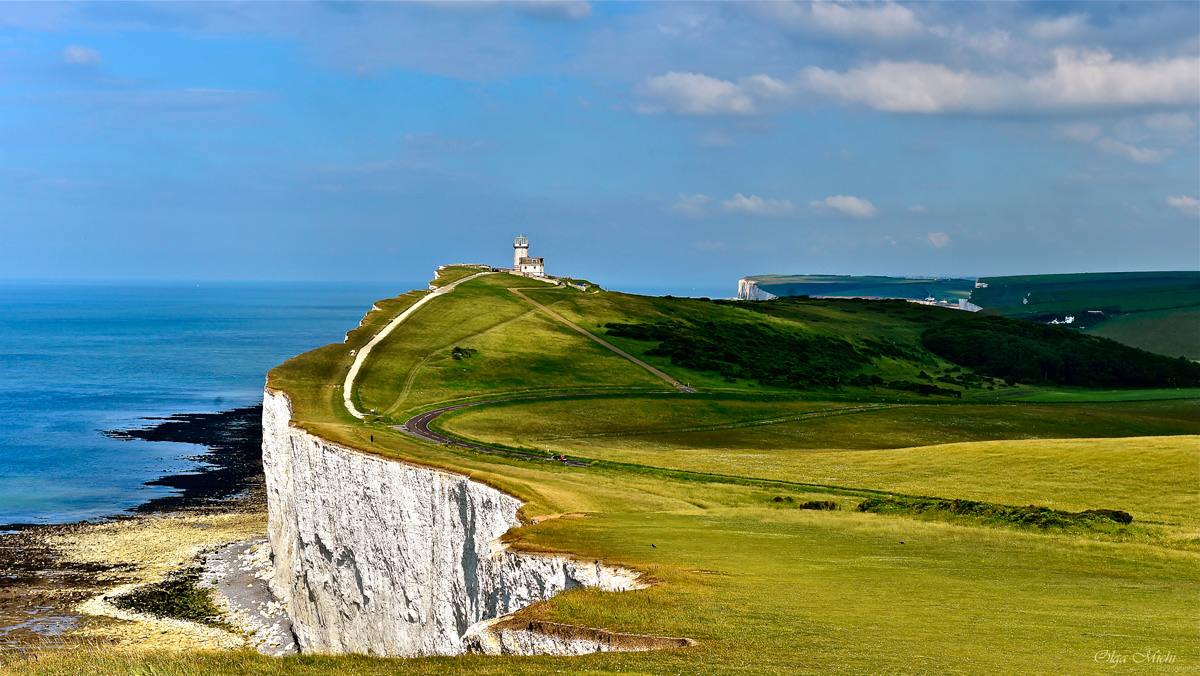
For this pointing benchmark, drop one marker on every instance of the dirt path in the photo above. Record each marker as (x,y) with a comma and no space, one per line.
(674,383)
(361,356)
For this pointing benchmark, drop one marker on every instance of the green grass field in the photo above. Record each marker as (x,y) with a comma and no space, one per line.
(1172,332)
(766,587)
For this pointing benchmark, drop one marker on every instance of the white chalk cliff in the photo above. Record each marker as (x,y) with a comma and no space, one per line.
(748,290)
(378,556)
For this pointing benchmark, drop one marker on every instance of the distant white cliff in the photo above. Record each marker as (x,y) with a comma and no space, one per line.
(748,290)
(382,557)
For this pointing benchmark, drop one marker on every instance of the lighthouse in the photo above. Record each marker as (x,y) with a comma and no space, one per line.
(522,263)
(520,250)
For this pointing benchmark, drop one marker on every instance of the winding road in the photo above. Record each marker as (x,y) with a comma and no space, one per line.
(418,426)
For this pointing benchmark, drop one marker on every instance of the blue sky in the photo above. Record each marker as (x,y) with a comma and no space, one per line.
(638,145)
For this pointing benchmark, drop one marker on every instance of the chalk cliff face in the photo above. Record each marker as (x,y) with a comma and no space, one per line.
(748,290)
(377,556)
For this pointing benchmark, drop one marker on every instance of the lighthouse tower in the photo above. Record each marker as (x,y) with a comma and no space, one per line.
(520,250)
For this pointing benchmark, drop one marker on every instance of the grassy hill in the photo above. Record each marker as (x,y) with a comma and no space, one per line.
(1155,311)
(915,288)
(704,492)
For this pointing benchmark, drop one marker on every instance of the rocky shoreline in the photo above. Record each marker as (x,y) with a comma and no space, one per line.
(56,576)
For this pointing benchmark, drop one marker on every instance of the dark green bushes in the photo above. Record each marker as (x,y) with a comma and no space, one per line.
(923,388)
(1024,352)
(1032,516)
(822,505)
(750,351)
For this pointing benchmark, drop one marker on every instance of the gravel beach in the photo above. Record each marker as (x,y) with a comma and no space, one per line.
(59,579)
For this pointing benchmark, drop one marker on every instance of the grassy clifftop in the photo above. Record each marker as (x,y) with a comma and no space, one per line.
(704,492)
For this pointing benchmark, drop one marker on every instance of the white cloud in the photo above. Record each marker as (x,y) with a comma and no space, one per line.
(917,209)
(1061,28)
(757,206)
(912,87)
(1093,78)
(1130,152)
(1171,123)
(1080,131)
(690,206)
(698,94)
(706,245)
(888,20)
(81,56)
(847,204)
(1078,80)
(938,239)
(1188,206)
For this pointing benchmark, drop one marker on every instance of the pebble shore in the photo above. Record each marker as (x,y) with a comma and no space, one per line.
(59,578)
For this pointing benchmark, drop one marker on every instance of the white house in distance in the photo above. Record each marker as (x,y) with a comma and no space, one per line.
(522,263)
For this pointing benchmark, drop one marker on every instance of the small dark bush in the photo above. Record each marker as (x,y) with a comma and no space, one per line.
(825,505)
(459,353)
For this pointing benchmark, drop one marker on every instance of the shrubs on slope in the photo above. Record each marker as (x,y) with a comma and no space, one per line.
(750,351)
(1024,352)
(989,513)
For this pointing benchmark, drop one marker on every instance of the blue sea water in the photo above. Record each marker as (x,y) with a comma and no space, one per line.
(78,358)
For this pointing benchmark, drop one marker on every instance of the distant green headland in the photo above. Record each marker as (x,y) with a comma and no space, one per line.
(1155,311)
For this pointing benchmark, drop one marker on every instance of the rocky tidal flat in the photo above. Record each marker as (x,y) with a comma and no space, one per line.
(60,580)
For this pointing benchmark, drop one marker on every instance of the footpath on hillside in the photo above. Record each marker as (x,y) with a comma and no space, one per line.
(563,320)
(361,357)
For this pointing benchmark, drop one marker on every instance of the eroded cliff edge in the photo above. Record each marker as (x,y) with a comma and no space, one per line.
(748,290)
(381,557)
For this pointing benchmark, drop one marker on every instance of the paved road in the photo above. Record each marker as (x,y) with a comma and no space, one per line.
(674,383)
(418,426)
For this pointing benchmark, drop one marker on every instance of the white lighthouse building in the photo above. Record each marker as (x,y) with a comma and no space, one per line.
(522,263)
(520,250)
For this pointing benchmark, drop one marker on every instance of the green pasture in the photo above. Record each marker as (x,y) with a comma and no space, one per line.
(1172,332)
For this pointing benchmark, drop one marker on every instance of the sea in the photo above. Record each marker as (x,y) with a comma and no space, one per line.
(77,359)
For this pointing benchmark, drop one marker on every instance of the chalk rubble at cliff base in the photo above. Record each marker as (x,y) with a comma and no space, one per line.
(381,557)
